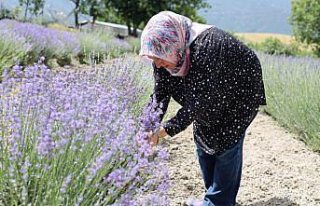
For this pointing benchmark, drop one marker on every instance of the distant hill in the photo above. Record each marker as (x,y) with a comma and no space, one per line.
(262,16)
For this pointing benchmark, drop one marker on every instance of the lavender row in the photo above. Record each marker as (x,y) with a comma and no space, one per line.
(78,138)
(34,41)
(292,88)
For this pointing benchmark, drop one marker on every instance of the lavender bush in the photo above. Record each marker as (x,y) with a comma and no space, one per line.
(75,138)
(27,42)
(292,87)
(13,49)
(98,45)
(44,42)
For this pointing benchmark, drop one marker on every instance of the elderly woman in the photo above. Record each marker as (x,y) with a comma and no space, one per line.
(218,82)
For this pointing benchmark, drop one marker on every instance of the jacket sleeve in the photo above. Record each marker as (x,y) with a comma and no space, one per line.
(162,89)
(184,117)
(201,100)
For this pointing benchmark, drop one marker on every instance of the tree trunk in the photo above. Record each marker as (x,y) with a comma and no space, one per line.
(94,18)
(76,13)
(42,8)
(26,10)
(129,28)
(135,32)
(76,19)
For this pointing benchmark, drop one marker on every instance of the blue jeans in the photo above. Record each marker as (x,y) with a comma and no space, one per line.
(222,175)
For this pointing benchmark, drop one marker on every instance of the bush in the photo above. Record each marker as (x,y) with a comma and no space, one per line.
(13,50)
(98,45)
(64,59)
(276,47)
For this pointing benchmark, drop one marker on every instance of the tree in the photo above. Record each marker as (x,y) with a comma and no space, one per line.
(95,8)
(187,8)
(130,12)
(76,10)
(37,8)
(305,20)
(136,13)
(25,3)
(4,13)
(34,6)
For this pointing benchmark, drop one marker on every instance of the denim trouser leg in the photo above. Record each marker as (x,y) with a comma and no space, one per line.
(222,175)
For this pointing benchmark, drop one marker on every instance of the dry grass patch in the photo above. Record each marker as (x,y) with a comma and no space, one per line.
(260,37)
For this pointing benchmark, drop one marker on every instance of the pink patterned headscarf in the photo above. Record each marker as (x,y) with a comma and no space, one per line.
(166,36)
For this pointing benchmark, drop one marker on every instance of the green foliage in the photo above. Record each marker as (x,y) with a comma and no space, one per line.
(5,13)
(9,14)
(136,13)
(275,46)
(94,8)
(64,59)
(188,8)
(305,19)
(35,7)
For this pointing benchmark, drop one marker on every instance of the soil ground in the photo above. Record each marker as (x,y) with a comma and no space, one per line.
(278,168)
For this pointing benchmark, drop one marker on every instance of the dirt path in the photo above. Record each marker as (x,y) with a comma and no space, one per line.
(278,169)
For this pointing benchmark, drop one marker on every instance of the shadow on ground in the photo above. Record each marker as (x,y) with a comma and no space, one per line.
(275,201)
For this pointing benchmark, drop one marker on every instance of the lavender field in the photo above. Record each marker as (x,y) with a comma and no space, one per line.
(78,136)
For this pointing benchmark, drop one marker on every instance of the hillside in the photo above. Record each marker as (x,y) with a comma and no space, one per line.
(261,16)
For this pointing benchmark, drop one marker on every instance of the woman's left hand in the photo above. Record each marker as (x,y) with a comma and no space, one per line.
(154,137)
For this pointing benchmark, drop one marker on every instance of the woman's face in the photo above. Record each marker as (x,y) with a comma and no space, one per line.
(162,63)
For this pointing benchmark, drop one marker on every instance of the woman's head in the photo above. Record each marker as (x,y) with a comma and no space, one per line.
(165,39)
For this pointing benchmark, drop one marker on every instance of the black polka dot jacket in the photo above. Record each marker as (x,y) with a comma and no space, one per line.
(220,95)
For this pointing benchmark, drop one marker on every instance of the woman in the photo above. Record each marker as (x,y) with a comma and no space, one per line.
(218,82)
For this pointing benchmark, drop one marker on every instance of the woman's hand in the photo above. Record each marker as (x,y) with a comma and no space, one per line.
(156,136)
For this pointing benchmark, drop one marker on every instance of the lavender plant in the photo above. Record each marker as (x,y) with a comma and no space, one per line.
(99,45)
(73,138)
(35,41)
(45,42)
(293,98)
(13,49)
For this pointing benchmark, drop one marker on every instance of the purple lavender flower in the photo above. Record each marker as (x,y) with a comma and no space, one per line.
(82,123)
(41,40)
